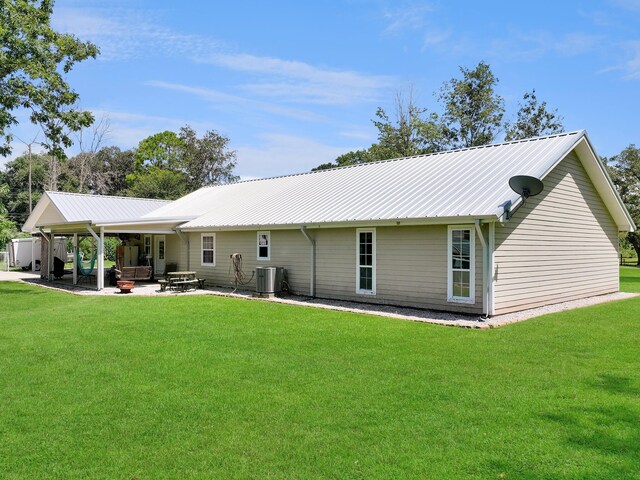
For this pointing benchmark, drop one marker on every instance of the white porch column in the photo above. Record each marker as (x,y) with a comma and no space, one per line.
(100,272)
(75,258)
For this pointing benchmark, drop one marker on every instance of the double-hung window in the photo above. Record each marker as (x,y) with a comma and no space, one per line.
(264,245)
(461,264)
(366,261)
(208,254)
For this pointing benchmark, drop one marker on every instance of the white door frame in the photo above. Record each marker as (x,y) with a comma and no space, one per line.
(159,261)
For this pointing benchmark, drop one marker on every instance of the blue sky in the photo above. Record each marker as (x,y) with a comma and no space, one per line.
(295,84)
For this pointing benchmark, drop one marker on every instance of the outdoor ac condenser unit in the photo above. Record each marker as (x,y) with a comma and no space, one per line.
(269,279)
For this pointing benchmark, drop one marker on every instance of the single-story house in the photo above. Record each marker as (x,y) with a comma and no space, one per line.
(442,231)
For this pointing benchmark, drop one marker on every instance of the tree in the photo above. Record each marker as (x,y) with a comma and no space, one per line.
(33,59)
(159,183)
(410,132)
(8,228)
(116,165)
(473,111)
(349,158)
(533,120)
(90,175)
(625,173)
(206,160)
(169,165)
(16,179)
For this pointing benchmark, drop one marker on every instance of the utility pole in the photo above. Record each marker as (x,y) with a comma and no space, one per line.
(30,201)
(30,162)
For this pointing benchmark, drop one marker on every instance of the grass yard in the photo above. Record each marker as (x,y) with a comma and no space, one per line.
(206,387)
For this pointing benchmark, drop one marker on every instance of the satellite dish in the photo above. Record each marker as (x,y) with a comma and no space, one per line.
(526,186)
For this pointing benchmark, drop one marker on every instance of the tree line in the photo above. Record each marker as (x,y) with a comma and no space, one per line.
(472,114)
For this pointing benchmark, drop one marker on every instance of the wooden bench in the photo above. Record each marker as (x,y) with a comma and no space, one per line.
(184,285)
(134,273)
(163,285)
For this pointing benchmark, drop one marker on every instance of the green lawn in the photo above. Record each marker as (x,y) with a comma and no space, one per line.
(206,387)
(630,279)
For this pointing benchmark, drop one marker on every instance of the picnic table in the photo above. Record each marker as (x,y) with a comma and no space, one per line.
(181,281)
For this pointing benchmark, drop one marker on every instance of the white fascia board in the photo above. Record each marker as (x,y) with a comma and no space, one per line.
(359,224)
(146,221)
(604,185)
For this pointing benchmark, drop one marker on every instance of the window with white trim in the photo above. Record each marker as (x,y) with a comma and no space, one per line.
(208,250)
(147,245)
(461,264)
(366,261)
(264,245)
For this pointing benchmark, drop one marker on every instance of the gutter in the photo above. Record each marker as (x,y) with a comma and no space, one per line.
(312,280)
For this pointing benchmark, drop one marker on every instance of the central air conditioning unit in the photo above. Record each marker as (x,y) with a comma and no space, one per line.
(269,279)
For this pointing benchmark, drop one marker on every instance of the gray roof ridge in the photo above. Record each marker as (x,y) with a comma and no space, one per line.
(424,155)
(108,196)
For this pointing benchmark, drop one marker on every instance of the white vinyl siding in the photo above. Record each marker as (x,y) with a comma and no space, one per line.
(366,261)
(208,250)
(561,245)
(411,267)
(461,264)
(289,249)
(264,246)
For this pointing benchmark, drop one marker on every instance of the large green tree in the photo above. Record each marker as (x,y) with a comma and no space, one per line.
(33,61)
(473,110)
(206,160)
(411,131)
(169,165)
(15,196)
(8,228)
(533,119)
(625,173)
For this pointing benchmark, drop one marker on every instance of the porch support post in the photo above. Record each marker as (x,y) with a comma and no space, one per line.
(485,270)
(100,242)
(312,272)
(100,273)
(75,258)
(49,249)
(33,254)
(492,268)
(185,240)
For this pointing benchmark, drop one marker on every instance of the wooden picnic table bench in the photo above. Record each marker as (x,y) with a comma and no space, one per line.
(184,285)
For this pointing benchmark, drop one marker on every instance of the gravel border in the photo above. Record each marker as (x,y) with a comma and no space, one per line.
(402,313)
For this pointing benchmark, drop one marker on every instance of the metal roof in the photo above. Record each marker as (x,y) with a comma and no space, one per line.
(77,207)
(470,182)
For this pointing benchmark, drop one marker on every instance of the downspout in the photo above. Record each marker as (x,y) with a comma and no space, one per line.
(312,280)
(185,240)
(485,271)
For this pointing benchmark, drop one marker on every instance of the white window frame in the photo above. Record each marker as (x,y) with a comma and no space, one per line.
(472,265)
(144,245)
(202,250)
(373,261)
(268,257)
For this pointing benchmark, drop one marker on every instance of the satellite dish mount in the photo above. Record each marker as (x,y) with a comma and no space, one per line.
(526,187)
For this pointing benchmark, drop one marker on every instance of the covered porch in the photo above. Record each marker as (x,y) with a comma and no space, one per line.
(141,242)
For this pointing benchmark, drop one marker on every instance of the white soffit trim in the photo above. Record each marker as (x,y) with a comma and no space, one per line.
(601,180)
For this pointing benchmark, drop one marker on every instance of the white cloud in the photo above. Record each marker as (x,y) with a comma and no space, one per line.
(435,37)
(539,43)
(300,82)
(278,154)
(411,17)
(226,101)
(126,34)
(631,66)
